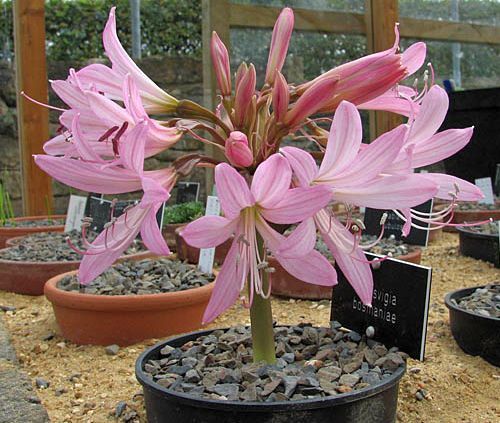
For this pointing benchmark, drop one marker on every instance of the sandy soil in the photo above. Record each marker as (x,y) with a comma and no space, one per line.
(460,388)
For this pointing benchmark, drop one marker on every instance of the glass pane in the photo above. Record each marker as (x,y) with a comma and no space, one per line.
(476,64)
(486,12)
(337,5)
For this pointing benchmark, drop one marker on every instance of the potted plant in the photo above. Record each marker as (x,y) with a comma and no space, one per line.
(33,259)
(285,285)
(177,216)
(481,242)
(260,183)
(473,212)
(475,320)
(119,309)
(11,226)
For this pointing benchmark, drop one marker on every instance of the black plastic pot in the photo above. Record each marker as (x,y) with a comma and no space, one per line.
(374,404)
(475,334)
(480,246)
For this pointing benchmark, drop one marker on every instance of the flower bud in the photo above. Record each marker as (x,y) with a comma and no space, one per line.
(282,33)
(313,99)
(237,150)
(243,97)
(281,97)
(220,60)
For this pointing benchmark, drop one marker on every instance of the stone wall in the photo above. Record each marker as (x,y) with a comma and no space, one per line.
(182,77)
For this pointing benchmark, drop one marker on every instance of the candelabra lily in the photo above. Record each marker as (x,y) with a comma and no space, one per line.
(107,132)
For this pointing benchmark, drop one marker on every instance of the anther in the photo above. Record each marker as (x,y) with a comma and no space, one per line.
(383,219)
(107,134)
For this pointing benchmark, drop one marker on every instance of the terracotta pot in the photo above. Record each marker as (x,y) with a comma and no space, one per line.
(125,319)
(461,216)
(29,277)
(168,232)
(285,285)
(192,254)
(11,232)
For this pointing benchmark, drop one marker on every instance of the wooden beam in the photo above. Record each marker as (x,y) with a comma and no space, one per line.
(253,16)
(33,120)
(449,31)
(215,17)
(381,17)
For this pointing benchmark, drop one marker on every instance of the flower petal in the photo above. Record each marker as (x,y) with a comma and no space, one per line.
(271,181)
(209,231)
(344,140)
(232,190)
(90,177)
(389,192)
(447,183)
(132,148)
(300,242)
(431,115)
(298,204)
(413,57)
(303,165)
(151,233)
(227,285)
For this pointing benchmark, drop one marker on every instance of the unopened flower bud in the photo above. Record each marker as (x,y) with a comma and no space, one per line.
(243,98)
(282,33)
(220,60)
(281,97)
(237,150)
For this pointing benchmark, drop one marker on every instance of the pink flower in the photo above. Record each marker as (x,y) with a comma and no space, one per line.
(93,174)
(371,76)
(104,122)
(237,150)
(220,61)
(109,81)
(282,33)
(246,212)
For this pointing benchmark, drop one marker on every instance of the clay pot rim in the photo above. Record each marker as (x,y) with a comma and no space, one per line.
(145,253)
(128,302)
(460,293)
(24,218)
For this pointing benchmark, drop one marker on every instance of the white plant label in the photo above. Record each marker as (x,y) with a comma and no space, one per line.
(485,185)
(75,213)
(207,255)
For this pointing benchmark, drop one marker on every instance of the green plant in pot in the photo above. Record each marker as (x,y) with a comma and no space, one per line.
(178,215)
(300,372)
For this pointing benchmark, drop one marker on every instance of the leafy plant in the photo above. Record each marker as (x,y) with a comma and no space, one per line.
(183,212)
(6,209)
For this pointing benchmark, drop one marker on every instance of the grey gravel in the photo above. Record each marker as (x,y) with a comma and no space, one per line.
(53,246)
(149,276)
(112,349)
(220,366)
(483,301)
(32,223)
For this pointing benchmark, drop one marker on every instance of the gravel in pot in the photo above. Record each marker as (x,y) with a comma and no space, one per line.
(33,223)
(141,278)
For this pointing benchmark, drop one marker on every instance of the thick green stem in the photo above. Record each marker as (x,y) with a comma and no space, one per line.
(261,320)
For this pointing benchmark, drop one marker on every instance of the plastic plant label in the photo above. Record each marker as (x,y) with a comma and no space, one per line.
(207,255)
(75,213)
(484,184)
(400,305)
(394,225)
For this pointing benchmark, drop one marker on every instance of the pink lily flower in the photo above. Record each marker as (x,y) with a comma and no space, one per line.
(354,175)
(280,40)
(102,119)
(109,80)
(237,150)
(246,212)
(93,174)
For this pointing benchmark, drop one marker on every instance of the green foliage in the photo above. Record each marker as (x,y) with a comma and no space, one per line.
(183,212)
(74,28)
(6,210)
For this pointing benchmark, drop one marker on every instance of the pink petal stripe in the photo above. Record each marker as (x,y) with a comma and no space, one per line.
(413,57)
(227,286)
(303,165)
(132,148)
(209,231)
(151,233)
(344,139)
(271,181)
(107,110)
(298,204)
(232,190)
(300,242)
(467,191)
